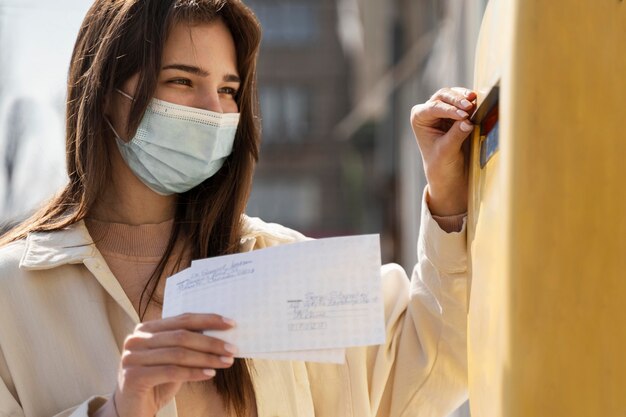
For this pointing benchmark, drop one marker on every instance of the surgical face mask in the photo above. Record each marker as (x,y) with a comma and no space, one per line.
(178,147)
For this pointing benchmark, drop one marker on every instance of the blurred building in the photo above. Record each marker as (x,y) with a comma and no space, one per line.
(313,176)
(304,89)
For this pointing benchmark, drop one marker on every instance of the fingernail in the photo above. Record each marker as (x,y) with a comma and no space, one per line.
(230,348)
(466,103)
(228,360)
(468,93)
(466,126)
(462,113)
(209,372)
(228,321)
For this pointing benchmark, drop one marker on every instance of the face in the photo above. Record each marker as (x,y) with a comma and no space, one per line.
(199,69)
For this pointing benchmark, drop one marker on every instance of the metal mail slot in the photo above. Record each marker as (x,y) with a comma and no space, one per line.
(486,116)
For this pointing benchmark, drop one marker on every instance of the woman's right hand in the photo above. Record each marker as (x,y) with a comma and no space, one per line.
(161,355)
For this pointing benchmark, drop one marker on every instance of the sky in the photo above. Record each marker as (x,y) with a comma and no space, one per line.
(36,41)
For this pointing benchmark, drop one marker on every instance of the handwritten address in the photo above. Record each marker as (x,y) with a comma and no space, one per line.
(307,326)
(318,306)
(225,272)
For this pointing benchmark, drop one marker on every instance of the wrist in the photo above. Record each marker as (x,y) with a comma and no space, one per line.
(118,407)
(448,203)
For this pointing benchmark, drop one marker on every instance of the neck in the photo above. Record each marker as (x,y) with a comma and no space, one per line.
(120,206)
(127,200)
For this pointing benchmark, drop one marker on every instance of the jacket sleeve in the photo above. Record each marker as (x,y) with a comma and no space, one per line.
(86,409)
(10,407)
(422,368)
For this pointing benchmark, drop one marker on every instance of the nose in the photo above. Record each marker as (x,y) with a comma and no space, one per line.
(211,102)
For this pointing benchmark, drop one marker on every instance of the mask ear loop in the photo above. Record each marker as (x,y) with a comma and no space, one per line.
(131,98)
(106,119)
(128,96)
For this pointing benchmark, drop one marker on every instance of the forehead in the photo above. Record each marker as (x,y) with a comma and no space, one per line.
(207,45)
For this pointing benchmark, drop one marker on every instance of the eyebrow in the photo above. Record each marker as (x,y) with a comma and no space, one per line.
(200,72)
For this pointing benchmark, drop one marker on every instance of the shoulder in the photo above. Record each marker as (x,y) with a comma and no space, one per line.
(13,278)
(260,234)
(10,257)
(40,253)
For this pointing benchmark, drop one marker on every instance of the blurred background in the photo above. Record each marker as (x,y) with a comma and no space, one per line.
(337,80)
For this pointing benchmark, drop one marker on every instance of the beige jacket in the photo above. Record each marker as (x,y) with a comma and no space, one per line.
(64,317)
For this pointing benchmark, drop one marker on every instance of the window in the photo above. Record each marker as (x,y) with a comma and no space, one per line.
(286,113)
(287,22)
(294,203)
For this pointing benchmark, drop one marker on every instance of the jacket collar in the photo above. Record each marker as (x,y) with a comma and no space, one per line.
(45,250)
(73,244)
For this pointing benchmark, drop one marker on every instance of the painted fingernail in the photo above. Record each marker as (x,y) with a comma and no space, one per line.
(228,321)
(209,372)
(230,348)
(228,360)
(466,126)
(466,103)
(468,93)
(462,113)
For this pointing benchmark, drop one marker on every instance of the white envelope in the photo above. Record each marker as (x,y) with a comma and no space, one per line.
(302,301)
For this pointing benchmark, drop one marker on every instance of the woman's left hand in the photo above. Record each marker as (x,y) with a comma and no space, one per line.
(441,127)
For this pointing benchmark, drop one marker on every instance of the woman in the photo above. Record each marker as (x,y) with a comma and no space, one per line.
(151,84)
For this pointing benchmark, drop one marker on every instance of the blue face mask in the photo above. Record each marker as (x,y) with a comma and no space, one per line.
(178,147)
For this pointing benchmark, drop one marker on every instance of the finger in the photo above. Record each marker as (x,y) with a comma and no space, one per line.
(430,113)
(179,338)
(467,93)
(152,376)
(188,321)
(457,134)
(453,97)
(175,356)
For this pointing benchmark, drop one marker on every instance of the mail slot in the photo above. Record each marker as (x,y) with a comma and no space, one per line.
(486,117)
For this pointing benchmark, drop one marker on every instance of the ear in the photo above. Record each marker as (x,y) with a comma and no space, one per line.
(116,114)
(117,105)
(107,104)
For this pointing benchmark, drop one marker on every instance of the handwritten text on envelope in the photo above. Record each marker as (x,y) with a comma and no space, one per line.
(306,301)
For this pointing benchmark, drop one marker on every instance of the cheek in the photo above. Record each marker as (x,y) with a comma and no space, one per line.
(230,106)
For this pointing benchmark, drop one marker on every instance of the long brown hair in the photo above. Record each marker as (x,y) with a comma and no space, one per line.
(121,38)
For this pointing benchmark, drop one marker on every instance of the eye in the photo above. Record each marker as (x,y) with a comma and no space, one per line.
(181,81)
(229,90)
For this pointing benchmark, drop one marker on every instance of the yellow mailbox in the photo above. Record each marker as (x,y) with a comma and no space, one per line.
(547,211)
